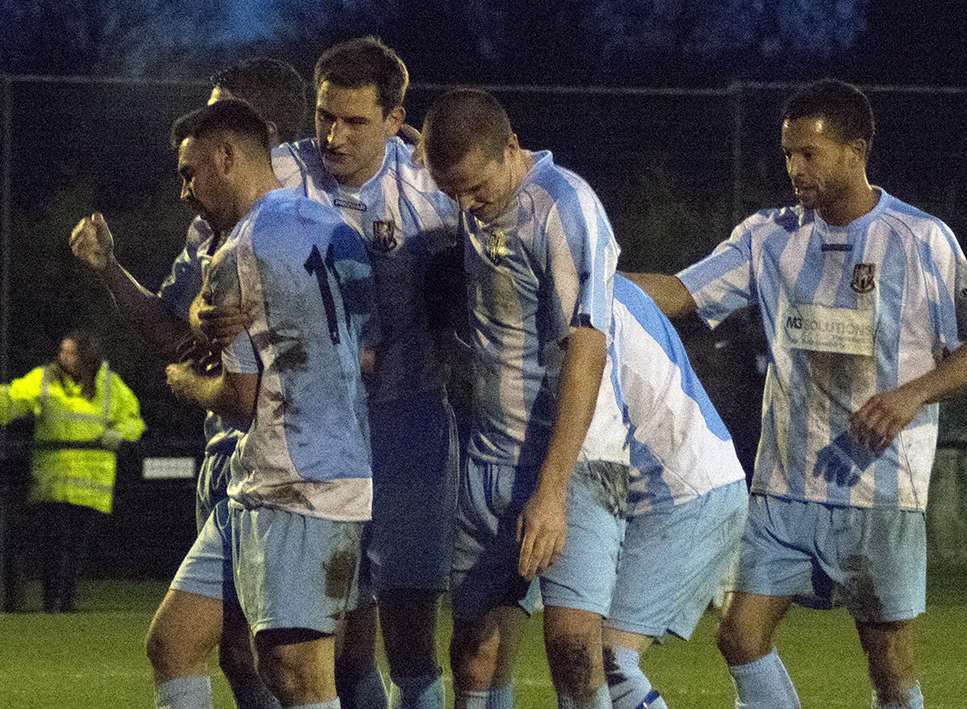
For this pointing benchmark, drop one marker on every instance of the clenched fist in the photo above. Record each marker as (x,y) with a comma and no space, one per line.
(92,243)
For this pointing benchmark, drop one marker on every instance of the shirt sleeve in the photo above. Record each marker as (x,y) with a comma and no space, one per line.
(722,282)
(187,271)
(581,257)
(20,397)
(125,411)
(946,270)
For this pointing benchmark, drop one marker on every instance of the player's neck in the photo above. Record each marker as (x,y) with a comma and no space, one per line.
(856,203)
(253,189)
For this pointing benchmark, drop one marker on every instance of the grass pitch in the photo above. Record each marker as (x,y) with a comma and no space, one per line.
(93,659)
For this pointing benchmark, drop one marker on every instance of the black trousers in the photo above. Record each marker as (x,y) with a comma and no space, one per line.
(61,536)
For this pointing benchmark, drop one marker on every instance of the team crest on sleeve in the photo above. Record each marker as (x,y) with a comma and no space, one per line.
(863,277)
(384,236)
(497,246)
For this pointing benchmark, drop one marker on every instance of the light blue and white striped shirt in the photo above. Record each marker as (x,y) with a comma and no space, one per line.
(177,292)
(403,220)
(543,267)
(306,450)
(652,402)
(848,312)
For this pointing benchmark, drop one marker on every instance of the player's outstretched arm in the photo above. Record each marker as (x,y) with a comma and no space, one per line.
(542,525)
(884,415)
(669,293)
(93,245)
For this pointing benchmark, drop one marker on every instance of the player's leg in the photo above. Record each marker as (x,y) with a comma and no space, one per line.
(188,624)
(414,500)
(671,561)
(295,576)
(889,651)
(482,655)
(628,685)
(358,680)
(490,600)
(184,631)
(408,622)
(579,585)
(298,665)
(883,567)
(236,657)
(775,565)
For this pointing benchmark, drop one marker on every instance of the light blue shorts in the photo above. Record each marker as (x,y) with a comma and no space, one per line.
(486,552)
(212,485)
(293,571)
(672,560)
(873,561)
(584,576)
(207,568)
(484,571)
(409,543)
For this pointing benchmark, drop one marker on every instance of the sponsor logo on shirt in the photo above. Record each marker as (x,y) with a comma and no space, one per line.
(497,246)
(343,202)
(863,274)
(384,236)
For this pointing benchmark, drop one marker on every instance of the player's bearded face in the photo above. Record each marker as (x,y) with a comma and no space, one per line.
(202,188)
(817,163)
(352,131)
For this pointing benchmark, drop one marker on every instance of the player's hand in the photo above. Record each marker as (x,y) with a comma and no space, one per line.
(541,531)
(883,416)
(222,324)
(179,376)
(92,243)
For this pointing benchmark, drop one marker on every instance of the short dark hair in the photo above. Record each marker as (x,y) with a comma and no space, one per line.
(231,115)
(365,61)
(846,108)
(461,120)
(272,87)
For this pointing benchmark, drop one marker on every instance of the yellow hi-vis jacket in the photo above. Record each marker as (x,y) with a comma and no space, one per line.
(73,457)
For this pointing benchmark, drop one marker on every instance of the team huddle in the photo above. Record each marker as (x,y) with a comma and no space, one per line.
(342,282)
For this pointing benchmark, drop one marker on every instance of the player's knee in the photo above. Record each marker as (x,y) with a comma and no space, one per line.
(738,644)
(891,665)
(474,665)
(285,677)
(576,663)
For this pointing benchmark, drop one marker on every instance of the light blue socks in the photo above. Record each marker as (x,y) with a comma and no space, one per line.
(363,691)
(627,684)
(193,692)
(913,699)
(422,692)
(495,698)
(764,684)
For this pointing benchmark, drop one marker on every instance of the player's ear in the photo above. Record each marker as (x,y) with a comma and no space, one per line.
(394,119)
(858,148)
(226,156)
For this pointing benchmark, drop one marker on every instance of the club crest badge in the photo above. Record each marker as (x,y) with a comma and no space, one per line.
(384,236)
(497,246)
(863,277)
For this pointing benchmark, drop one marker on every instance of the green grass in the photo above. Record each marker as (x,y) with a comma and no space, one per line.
(93,658)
